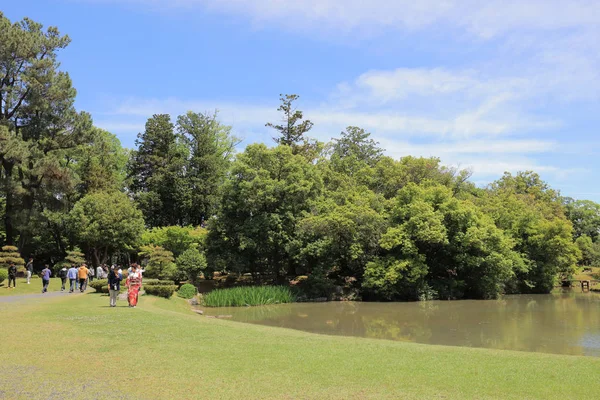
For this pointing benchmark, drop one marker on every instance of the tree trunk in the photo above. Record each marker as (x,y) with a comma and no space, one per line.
(9,206)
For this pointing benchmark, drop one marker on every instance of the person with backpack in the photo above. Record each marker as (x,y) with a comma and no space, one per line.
(12,275)
(62,274)
(46,273)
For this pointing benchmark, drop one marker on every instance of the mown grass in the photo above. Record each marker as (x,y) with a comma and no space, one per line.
(78,347)
(249,296)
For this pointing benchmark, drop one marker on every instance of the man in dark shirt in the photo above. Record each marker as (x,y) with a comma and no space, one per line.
(29,268)
(12,275)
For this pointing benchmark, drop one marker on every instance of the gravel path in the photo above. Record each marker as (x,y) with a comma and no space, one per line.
(19,297)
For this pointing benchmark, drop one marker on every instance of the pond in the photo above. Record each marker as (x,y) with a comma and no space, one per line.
(561,323)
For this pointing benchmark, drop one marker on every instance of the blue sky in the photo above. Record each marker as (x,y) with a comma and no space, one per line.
(495,86)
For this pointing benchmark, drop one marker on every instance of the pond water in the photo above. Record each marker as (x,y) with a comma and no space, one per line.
(565,323)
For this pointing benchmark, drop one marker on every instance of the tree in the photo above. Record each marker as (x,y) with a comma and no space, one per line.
(156,171)
(211,147)
(355,144)
(266,193)
(74,257)
(338,238)
(391,175)
(192,263)
(176,239)
(160,262)
(100,163)
(105,223)
(590,251)
(585,216)
(438,245)
(530,212)
(37,121)
(293,130)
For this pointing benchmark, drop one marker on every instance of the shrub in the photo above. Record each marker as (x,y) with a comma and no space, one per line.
(160,290)
(98,284)
(249,296)
(187,291)
(3,275)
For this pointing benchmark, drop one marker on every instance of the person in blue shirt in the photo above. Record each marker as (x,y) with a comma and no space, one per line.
(72,275)
(46,273)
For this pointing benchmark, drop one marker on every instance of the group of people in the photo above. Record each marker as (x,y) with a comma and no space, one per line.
(80,276)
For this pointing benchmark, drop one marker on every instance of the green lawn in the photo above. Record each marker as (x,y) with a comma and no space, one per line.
(78,347)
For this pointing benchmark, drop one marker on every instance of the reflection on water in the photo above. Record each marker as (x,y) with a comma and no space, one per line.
(566,323)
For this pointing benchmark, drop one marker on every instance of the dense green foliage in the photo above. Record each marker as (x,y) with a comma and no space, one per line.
(248,296)
(187,291)
(3,275)
(185,205)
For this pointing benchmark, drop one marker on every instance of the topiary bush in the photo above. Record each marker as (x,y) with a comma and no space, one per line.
(98,284)
(3,275)
(187,291)
(10,254)
(160,290)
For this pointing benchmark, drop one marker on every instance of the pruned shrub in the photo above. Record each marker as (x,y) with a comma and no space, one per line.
(165,291)
(3,275)
(10,254)
(187,291)
(98,284)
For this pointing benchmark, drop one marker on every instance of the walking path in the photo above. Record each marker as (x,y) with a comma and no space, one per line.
(18,297)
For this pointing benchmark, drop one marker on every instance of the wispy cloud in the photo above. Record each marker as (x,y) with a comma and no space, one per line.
(483,19)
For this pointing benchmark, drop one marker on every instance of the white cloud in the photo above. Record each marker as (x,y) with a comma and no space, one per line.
(483,19)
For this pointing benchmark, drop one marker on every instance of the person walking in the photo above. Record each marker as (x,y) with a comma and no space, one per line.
(72,275)
(29,268)
(114,285)
(134,283)
(82,274)
(12,275)
(46,273)
(91,274)
(63,277)
(99,272)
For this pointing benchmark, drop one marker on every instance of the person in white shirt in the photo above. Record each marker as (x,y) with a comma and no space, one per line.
(100,272)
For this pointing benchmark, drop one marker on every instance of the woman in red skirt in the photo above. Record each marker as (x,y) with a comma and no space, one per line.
(134,283)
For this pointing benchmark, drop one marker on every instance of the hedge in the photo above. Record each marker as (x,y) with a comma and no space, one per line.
(3,275)
(165,291)
(157,282)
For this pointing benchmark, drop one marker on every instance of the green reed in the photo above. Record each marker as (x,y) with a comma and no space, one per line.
(249,296)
